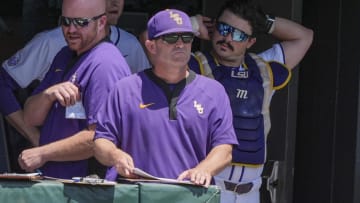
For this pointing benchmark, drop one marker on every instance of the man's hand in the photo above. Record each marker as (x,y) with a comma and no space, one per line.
(31,159)
(206,26)
(65,93)
(124,164)
(197,176)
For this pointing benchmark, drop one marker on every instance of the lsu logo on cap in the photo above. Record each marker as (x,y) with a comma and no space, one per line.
(14,60)
(176,17)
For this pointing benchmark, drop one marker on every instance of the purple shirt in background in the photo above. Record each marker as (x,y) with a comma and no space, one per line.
(8,102)
(137,118)
(95,72)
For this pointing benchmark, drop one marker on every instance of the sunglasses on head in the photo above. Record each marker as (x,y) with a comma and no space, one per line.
(236,34)
(81,22)
(174,37)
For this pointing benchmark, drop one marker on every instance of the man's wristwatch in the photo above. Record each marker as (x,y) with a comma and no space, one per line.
(270,23)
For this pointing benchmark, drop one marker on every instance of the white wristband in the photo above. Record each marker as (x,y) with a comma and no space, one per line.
(195,25)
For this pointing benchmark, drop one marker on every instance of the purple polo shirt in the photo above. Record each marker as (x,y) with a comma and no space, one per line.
(95,71)
(166,132)
(8,101)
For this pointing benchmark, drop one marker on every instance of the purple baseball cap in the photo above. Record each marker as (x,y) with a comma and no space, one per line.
(168,21)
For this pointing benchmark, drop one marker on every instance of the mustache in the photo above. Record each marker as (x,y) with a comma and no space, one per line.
(224,42)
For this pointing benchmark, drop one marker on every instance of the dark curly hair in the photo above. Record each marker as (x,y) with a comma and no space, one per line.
(248,10)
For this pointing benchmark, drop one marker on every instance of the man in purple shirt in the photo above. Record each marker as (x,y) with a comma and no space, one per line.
(20,74)
(67,100)
(165,120)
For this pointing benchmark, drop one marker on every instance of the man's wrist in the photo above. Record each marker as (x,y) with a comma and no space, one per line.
(270,23)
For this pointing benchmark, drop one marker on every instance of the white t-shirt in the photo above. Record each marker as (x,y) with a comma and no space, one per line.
(275,53)
(33,61)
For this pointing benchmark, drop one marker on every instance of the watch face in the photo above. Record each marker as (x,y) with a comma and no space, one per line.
(270,23)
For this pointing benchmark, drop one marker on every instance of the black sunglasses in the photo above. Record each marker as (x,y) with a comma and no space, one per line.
(236,34)
(81,22)
(174,37)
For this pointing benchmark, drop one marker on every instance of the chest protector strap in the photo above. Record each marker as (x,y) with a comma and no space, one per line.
(205,68)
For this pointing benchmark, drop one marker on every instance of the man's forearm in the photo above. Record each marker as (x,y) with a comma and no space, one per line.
(287,30)
(74,148)
(36,109)
(295,39)
(104,150)
(29,132)
(218,158)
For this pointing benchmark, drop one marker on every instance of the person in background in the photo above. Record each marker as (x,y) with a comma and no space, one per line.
(30,64)
(67,100)
(164,120)
(250,81)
